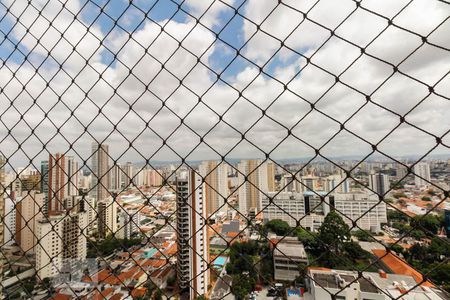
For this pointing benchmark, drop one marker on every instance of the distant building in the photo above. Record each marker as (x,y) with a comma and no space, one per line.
(422,174)
(28,213)
(288,254)
(2,214)
(116,177)
(60,181)
(127,178)
(255,178)
(216,191)
(106,217)
(323,283)
(308,207)
(192,241)
(379,183)
(100,171)
(128,223)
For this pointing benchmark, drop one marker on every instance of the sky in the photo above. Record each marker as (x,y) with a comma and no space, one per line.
(204,79)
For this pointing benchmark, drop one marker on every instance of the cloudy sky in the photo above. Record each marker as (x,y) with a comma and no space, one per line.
(71,71)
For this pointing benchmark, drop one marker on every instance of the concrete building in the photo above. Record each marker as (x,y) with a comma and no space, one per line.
(116,177)
(422,174)
(106,217)
(216,191)
(127,178)
(28,213)
(255,178)
(307,206)
(192,241)
(9,219)
(288,254)
(62,181)
(345,285)
(100,171)
(2,214)
(379,183)
(128,223)
(62,243)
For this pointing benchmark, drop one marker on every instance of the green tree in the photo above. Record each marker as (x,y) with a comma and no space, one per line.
(242,285)
(363,235)
(307,238)
(429,222)
(334,232)
(279,227)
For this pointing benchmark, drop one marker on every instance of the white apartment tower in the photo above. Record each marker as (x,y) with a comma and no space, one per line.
(216,190)
(260,179)
(107,217)
(100,171)
(62,242)
(379,183)
(192,241)
(422,174)
(116,177)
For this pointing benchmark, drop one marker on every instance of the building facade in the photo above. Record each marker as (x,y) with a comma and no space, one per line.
(100,171)
(192,241)
(216,191)
(422,174)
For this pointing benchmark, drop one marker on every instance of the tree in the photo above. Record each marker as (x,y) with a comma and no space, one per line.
(279,227)
(242,285)
(307,238)
(334,232)
(427,222)
(354,250)
(363,235)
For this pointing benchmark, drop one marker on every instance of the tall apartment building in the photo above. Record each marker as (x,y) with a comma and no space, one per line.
(127,178)
(128,223)
(59,181)
(379,183)
(192,241)
(100,171)
(149,177)
(28,213)
(260,179)
(307,206)
(9,220)
(106,217)
(216,190)
(116,177)
(422,174)
(62,243)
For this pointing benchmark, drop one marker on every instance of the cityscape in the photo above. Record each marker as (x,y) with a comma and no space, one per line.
(219,230)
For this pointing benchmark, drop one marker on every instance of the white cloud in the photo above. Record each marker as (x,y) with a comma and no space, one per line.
(166,102)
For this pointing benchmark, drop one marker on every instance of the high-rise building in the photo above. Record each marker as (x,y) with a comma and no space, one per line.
(127,178)
(216,190)
(28,213)
(9,220)
(60,181)
(106,217)
(100,171)
(255,178)
(116,177)
(192,241)
(422,174)
(379,183)
(62,243)
(128,223)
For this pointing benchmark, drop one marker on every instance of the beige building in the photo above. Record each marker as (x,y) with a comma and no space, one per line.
(260,180)
(107,217)
(216,191)
(28,213)
(288,254)
(62,242)
(100,171)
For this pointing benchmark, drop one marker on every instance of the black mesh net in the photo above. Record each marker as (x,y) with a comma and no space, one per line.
(221,149)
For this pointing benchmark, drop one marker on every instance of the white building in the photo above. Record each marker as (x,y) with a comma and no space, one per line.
(9,221)
(216,191)
(260,180)
(62,242)
(379,183)
(106,217)
(346,285)
(192,255)
(116,177)
(309,208)
(288,254)
(422,174)
(128,223)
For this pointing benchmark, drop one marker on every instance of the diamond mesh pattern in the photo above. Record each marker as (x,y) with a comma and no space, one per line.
(124,131)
